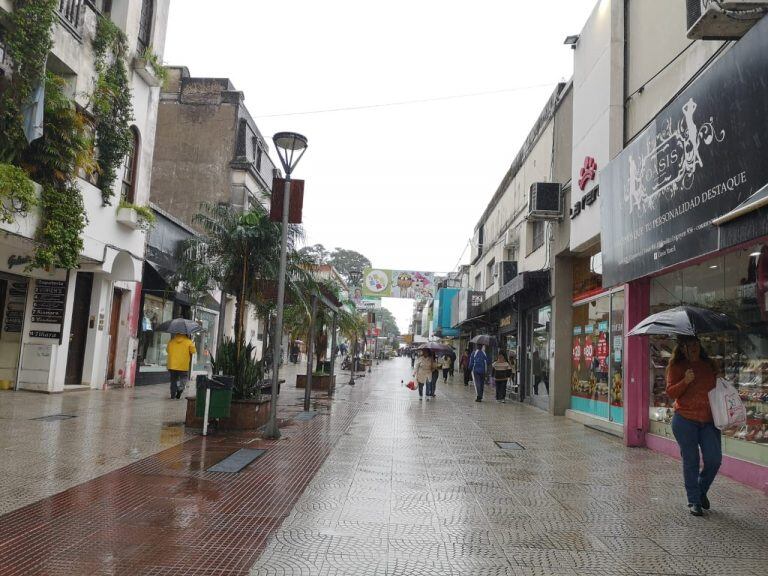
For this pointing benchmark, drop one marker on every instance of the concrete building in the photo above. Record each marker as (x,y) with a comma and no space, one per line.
(87,335)
(512,258)
(208,149)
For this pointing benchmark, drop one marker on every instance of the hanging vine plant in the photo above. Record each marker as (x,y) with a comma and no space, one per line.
(54,161)
(27,44)
(111,105)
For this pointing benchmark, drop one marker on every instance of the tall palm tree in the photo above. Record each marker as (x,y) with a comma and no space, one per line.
(239,253)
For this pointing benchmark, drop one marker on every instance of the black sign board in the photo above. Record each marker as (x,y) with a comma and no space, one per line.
(44,334)
(49,302)
(703,155)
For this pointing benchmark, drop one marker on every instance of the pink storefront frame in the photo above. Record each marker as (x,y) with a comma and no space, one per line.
(637,393)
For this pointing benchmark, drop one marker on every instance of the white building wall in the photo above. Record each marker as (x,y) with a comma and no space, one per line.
(660,58)
(112,251)
(598,110)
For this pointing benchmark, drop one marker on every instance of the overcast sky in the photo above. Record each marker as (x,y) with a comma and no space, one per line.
(403,184)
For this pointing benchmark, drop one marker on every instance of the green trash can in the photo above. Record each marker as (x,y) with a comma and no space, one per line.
(221,396)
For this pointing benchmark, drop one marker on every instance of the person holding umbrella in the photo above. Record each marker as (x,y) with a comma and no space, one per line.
(478,365)
(180,351)
(423,371)
(691,374)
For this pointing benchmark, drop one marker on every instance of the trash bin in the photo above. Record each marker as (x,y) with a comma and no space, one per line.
(221,395)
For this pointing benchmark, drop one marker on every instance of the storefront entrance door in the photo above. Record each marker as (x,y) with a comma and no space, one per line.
(114,324)
(79,329)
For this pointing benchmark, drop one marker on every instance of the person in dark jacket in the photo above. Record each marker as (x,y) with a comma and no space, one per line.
(479,365)
(502,371)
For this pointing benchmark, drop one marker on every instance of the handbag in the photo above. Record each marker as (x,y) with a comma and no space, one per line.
(727,408)
(411,385)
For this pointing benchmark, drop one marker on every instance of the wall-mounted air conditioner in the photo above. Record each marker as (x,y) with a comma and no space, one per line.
(511,238)
(723,20)
(507,270)
(544,201)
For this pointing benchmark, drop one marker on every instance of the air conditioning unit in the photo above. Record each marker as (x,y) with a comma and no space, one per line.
(511,238)
(723,20)
(544,201)
(507,270)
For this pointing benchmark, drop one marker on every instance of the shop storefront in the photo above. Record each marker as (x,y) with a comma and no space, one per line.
(685,223)
(597,370)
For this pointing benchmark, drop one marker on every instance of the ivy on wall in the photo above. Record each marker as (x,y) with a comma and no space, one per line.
(111,105)
(54,160)
(28,41)
(17,193)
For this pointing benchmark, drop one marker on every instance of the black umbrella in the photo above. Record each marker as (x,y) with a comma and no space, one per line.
(179,326)
(435,347)
(684,321)
(484,339)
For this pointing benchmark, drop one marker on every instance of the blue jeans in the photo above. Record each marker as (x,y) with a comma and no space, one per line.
(692,436)
(432,383)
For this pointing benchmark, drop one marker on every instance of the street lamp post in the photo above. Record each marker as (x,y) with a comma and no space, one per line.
(354,279)
(290,148)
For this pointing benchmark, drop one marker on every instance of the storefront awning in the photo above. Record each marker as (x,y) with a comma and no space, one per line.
(469,321)
(757,200)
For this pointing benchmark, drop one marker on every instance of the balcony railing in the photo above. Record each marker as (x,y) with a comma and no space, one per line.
(71,12)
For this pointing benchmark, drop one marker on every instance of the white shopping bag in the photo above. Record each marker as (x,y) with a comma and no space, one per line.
(727,408)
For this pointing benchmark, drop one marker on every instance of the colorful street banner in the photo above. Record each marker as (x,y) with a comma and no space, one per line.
(398,284)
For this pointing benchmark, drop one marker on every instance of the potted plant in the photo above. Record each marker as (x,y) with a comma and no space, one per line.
(321,381)
(147,65)
(249,409)
(135,216)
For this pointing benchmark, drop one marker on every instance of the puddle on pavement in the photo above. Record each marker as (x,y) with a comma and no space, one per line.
(171,433)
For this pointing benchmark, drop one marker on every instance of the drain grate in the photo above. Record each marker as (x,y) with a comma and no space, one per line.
(510,445)
(237,461)
(305,415)
(54,418)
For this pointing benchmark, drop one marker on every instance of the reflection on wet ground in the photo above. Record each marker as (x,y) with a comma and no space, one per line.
(380,483)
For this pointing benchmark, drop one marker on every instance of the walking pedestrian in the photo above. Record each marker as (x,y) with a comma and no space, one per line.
(478,365)
(435,375)
(180,350)
(452,356)
(691,374)
(502,372)
(423,371)
(464,365)
(413,358)
(446,366)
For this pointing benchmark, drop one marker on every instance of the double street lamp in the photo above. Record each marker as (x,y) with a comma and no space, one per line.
(290,148)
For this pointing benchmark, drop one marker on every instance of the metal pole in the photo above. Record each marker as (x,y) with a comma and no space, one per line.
(310,355)
(272,431)
(352,363)
(333,354)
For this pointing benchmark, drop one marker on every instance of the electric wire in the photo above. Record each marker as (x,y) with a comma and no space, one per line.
(407,102)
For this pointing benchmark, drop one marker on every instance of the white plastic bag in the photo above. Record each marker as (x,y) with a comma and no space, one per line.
(727,408)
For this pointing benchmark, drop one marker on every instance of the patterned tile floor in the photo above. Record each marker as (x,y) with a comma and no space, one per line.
(380,483)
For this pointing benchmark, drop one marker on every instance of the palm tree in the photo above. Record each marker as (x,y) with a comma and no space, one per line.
(239,253)
(298,317)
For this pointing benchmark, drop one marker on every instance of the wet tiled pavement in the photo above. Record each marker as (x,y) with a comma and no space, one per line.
(380,483)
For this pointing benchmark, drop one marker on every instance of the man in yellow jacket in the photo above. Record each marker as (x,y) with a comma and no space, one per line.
(180,351)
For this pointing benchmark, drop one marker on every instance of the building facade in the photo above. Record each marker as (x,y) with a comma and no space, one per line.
(208,150)
(78,328)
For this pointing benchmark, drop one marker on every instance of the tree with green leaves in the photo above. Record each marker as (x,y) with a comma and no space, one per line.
(317,253)
(345,260)
(388,323)
(240,254)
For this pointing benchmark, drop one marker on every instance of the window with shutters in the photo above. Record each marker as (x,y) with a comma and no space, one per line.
(131,164)
(145,24)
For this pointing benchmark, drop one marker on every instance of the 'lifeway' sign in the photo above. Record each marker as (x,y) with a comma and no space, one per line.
(702,156)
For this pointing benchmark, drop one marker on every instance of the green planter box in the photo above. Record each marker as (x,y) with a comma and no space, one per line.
(221,402)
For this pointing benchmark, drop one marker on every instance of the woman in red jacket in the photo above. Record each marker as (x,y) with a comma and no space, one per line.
(691,374)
